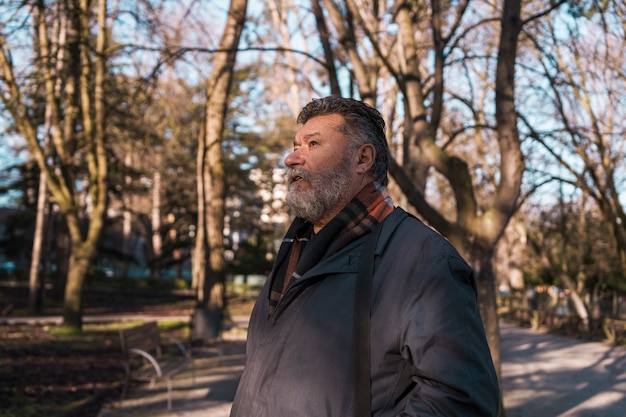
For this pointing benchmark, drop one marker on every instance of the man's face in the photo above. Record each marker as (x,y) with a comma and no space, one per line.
(322,176)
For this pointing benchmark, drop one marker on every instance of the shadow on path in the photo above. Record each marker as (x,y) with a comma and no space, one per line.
(205,389)
(545,375)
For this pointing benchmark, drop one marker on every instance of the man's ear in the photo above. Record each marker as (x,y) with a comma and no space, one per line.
(366,154)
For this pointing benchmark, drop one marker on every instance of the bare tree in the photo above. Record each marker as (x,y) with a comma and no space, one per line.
(208,264)
(571,247)
(445,76)
(36,281)
(81,104)
(581,125)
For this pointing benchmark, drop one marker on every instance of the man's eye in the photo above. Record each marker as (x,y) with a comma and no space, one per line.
(313,143)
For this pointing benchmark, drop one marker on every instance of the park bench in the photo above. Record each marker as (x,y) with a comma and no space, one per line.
(147,358)
(614,329)
(524,316)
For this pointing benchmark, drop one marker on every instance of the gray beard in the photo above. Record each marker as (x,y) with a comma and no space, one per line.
(327,191)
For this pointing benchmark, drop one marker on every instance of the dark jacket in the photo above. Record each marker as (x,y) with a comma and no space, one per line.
(429,355)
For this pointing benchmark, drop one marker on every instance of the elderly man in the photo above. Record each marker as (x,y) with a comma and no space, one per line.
(361,294)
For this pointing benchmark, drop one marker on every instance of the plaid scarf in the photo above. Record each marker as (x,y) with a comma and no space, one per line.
(301,249)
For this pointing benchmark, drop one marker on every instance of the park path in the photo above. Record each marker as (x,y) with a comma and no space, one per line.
(545,375)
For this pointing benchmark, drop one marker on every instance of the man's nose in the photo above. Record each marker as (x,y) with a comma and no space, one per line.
(293,159)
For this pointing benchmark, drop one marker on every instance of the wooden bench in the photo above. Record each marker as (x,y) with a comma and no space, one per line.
(614,329)
(148,359)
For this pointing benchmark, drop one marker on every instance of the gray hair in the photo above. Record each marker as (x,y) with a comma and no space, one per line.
(362,124)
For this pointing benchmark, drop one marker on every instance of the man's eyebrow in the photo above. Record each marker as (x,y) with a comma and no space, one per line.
(307,137)
(312,134)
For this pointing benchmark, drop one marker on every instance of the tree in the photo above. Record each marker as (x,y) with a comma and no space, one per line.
(580,126)
(179,116)
(571,247)
(152,174)
(210,175)
(434,137)
(36,284)
(77,122)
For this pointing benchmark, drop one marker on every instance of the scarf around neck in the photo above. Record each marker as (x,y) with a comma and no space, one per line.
(301,249)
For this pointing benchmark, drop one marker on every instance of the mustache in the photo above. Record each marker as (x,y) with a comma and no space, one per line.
(295,174)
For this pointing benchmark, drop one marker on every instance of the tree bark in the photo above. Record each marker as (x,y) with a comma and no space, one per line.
(198,267)
(35,282)
(487,303)
(209,241)
(80,259)
(157,242)
(84,246)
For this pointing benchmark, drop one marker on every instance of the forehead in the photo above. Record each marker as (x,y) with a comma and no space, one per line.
(325,125)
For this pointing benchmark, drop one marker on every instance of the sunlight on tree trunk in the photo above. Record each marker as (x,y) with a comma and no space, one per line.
(127,215)
(210,240)
(157,244)
(198,265)
(36,283)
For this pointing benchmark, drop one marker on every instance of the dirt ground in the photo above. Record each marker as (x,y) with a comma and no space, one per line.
(46,373)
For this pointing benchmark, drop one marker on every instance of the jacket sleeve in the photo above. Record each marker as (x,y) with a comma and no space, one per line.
(445,345)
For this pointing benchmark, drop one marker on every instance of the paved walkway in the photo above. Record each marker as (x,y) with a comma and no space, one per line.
(543,375)
(209,395)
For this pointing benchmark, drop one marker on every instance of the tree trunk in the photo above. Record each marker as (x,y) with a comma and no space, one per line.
(211,292)
(84,247)
(483,267)
(198,257)
(80,259)
(215,209)
(157,244)
(482,261)
(127,216)
(63,248)
(35,284)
